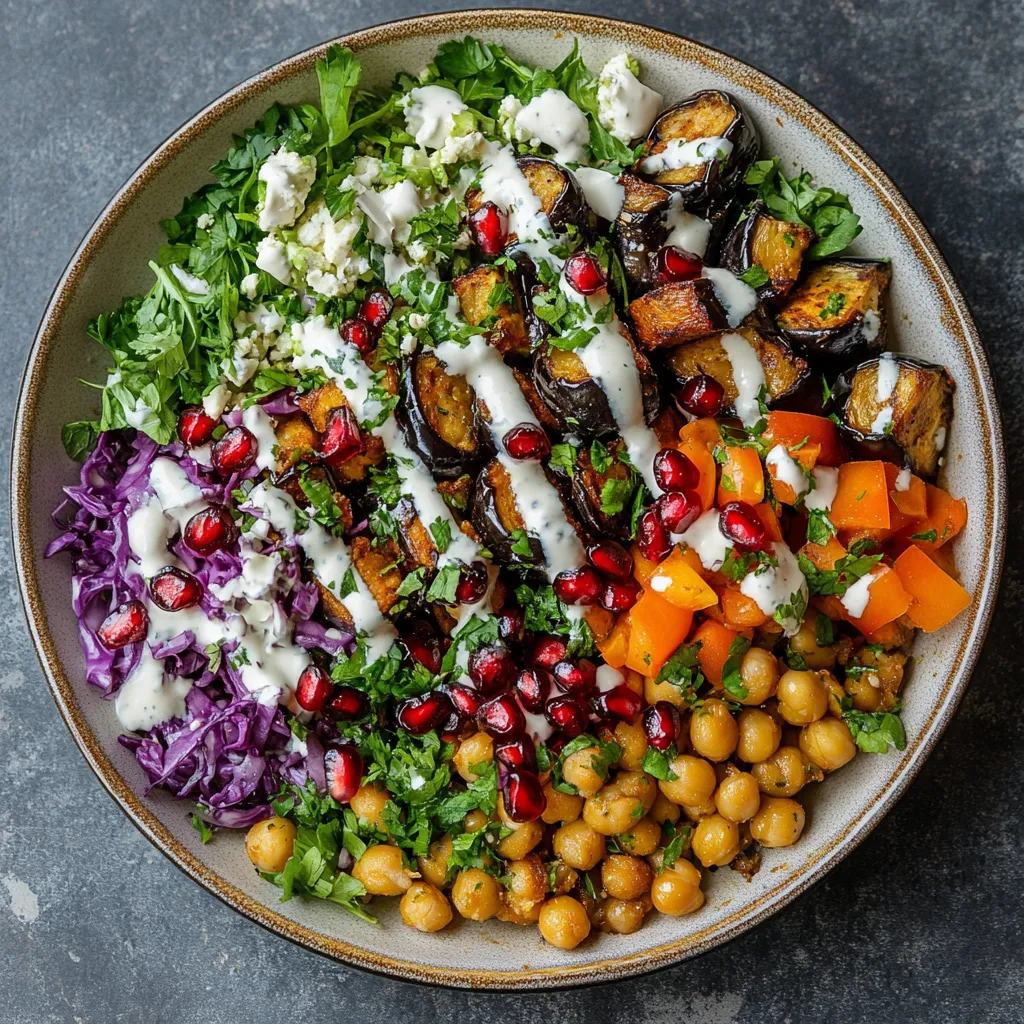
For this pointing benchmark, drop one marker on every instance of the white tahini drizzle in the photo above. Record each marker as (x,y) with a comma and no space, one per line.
(748,375)
(602,190)
(738,299)
(774,587)
(826,482)
(856,598)
(147,698)
(430,113)
(686,230)
(555,120)
(787,470)
(679,153)
(707,540)
(888,375)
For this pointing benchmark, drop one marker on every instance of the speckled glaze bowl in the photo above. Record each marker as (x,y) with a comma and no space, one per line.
(931,321)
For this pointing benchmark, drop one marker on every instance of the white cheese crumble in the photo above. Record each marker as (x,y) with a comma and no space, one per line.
(553,118)
(288,178)
(625,106)
(272,257)
(430,114)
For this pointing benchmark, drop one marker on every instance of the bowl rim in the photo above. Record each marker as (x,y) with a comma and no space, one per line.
(955,315)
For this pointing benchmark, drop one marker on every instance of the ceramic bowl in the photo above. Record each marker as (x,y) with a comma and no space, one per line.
(931,321)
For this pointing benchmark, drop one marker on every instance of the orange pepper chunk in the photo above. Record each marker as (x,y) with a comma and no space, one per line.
(676,581)
(740,611)
(600,621)
(936,598)
(769,520)
(742,477)
(615,646)
(862,497)
(807,457)
(824,556)
(887,600)
(704,430)
(946,517)
(656,629)
(642,567)
(700,455)
(913,502)
(715,641)
(791,428)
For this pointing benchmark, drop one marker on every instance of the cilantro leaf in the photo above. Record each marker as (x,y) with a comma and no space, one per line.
(732,681)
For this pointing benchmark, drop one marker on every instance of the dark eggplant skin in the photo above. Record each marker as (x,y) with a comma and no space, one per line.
(640,231)
(563,205)
(584,488)
(444,460)
(524,282)
(493,513)
(916,417)
(717,177)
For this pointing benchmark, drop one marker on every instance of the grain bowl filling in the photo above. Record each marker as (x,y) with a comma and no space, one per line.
(506,499)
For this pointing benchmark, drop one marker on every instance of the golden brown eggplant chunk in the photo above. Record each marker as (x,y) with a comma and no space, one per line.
(496,516)
(377,567)
(837,313)
(586,489)
(708,115)
(415,539)
(319,404)
(508,332)
(904,417)
(784,372)
(456,495)
(674,313)
(777,246)
(296,440)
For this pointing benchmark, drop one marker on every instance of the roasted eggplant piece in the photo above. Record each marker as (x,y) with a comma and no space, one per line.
(836,315)
(777,246)
(296,440)
(898,409)
(784,372)
(640,231)
(441,420)
(707,115)
(318,406)
(586,488)
(485,296)
(674,313)
(378,568)
(495,515)
(577,401)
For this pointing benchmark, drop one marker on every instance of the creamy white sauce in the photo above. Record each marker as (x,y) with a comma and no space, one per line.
(882,421)
(147,698)
(272,257)
(774,587)
(903,479)
(680,153)
(888,375)
(748,375)
(707,540)
(430,112)
(940,439)
(826,483)
(608,678)
(258,423)
(555,120)
(870,326)
(787,470)
(856,599)
(686,230)
(626,107)
(288,178)
(602,190)
(738,299)
(192,284)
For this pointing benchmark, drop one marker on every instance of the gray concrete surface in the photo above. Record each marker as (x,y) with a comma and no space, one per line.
(922,923)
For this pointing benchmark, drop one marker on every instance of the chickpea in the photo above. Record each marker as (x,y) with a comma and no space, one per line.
(623,917)
(713,730)
(694,783)
(564,878)
(663,810)
(828,743)
(476,894)
(526,883)
(778,822)
(578,770)
(631,737)
(738,797)
(270,843)
(805,643)
(625,877)
(434,867)
(759,735)
(697,811)
(759,671)
(620,804)
(475,749)
(802,696)
(866,696)
(425,908)
(381,870)
(525,836)
(560,807)
(475,820)
(716,840)
(782,774)
(578,845)
(643,838)
(369,803)
(676,891)
(563,922)
(653,692)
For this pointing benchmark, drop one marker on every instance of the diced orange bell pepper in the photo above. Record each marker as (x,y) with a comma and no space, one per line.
(824,556)
(790,428)
(692,559)
(675,580)
(887,600)
(715,641)
(615,646)
(769,520)
(656,629)
(699,454)
(740,611)
(862,497)
(705,430)
(944,558)
(742,477)
(806,457)
(913,502)
(936,598)
(600,621)
(946,517)
(642,567)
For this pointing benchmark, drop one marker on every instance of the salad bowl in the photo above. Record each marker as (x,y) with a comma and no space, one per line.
(931,322)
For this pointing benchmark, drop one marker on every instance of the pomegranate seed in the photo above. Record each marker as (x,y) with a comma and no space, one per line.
(575,677)
(465,701)
(510,625)
(344,769)
(492,668)
(661,725)
(701,396)
(620,702)
(740,523)
(126,624)
(567,714)
(620,595)
(578,586)
(673,471)
(652,538)
(584,273)
(195,428)
(534,686)
(675,264)
(426,650)
(235,452)
(376,309)
(523,796)
(210,530)
(418,715)
(489,227)
(358,333)
(547,651)
(517,753)
(678,510)
(174,589)
(501,716)
(349,703)
(527,441)
(341,438)
(313,689)
(472,584)
(612,559)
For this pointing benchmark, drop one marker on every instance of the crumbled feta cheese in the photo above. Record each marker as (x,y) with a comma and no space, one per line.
(409,344)
(332,267)
(272,257)
(508,111)
(625,106)
(205,221)
(462,147)
(288,178)
(192,284)
(430,114)
(417,321)
(216,401)
(248,286)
